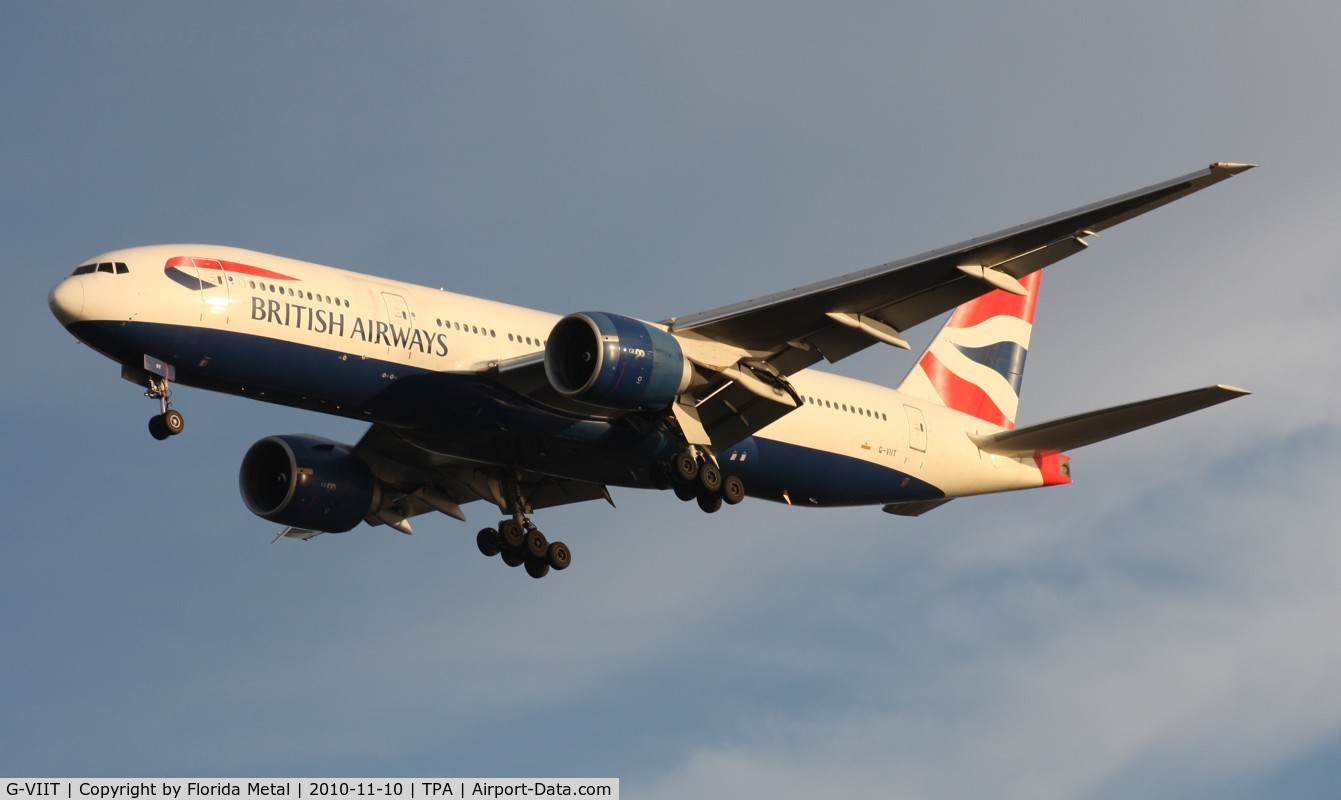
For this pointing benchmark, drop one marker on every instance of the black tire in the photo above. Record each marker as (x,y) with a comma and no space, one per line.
(158,428)
(489,542)
(710,477)
(513,558)
(536,545)
(559,556)
(513,535)
(537,567)
(686,466)
(710,502)
(173,420)
(685,491)
(733,490)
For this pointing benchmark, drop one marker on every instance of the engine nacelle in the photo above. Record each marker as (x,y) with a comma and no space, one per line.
(307,482)
(615,362)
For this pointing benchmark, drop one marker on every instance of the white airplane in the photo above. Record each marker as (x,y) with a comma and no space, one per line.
(471,399)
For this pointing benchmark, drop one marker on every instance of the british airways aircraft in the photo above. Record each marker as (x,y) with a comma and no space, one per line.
(471,399)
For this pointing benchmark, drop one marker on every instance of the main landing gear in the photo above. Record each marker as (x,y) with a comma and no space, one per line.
(169,422)
(520,542)
(694,476)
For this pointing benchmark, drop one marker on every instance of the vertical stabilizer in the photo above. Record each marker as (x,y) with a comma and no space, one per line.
(976,362)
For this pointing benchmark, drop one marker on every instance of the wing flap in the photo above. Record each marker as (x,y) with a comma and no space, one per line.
(1061,435)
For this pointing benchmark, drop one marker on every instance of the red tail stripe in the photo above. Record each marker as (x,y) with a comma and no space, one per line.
(997,303)
(961,395)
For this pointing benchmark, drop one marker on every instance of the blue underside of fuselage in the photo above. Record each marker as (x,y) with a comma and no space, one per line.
(469,416)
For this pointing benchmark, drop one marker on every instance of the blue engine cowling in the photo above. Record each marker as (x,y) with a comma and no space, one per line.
(306,482)
(615,362)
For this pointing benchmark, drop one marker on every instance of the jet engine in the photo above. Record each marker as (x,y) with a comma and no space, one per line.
(307,482)
(615,362)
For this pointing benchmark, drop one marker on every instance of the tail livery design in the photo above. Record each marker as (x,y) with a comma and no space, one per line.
(976,362)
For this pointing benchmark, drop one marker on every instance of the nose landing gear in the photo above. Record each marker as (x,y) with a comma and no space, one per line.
(169,421)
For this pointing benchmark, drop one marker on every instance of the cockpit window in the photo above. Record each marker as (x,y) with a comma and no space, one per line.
(110,267)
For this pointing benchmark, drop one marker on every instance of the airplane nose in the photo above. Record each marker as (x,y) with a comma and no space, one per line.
(67,300)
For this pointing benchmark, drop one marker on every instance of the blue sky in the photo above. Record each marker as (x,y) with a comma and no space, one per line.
(1163,627)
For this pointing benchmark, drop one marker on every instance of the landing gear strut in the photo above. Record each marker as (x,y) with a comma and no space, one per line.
(520,542)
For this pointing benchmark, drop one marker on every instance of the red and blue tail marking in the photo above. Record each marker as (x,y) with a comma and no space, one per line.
(976,363)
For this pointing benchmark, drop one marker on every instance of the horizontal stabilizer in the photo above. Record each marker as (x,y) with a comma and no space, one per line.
(1061,435)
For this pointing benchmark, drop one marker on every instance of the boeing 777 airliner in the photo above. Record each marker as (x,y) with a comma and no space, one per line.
(471,399)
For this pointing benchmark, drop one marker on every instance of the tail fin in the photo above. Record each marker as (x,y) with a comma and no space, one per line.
(976,363)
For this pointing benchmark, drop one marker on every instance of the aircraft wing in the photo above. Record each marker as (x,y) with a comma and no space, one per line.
(786,332)
(825,319)
(424,481)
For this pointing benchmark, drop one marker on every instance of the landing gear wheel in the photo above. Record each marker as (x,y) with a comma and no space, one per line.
(686,466)
(513,558)
(158,428)
(489,542)
(173,421)
(733,490)
(513,535)
(710,477)
(685,491)
(537,567)
(559,556)
(536,544)
(709,502)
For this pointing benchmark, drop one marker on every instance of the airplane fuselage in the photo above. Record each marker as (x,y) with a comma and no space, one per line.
(419,359)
